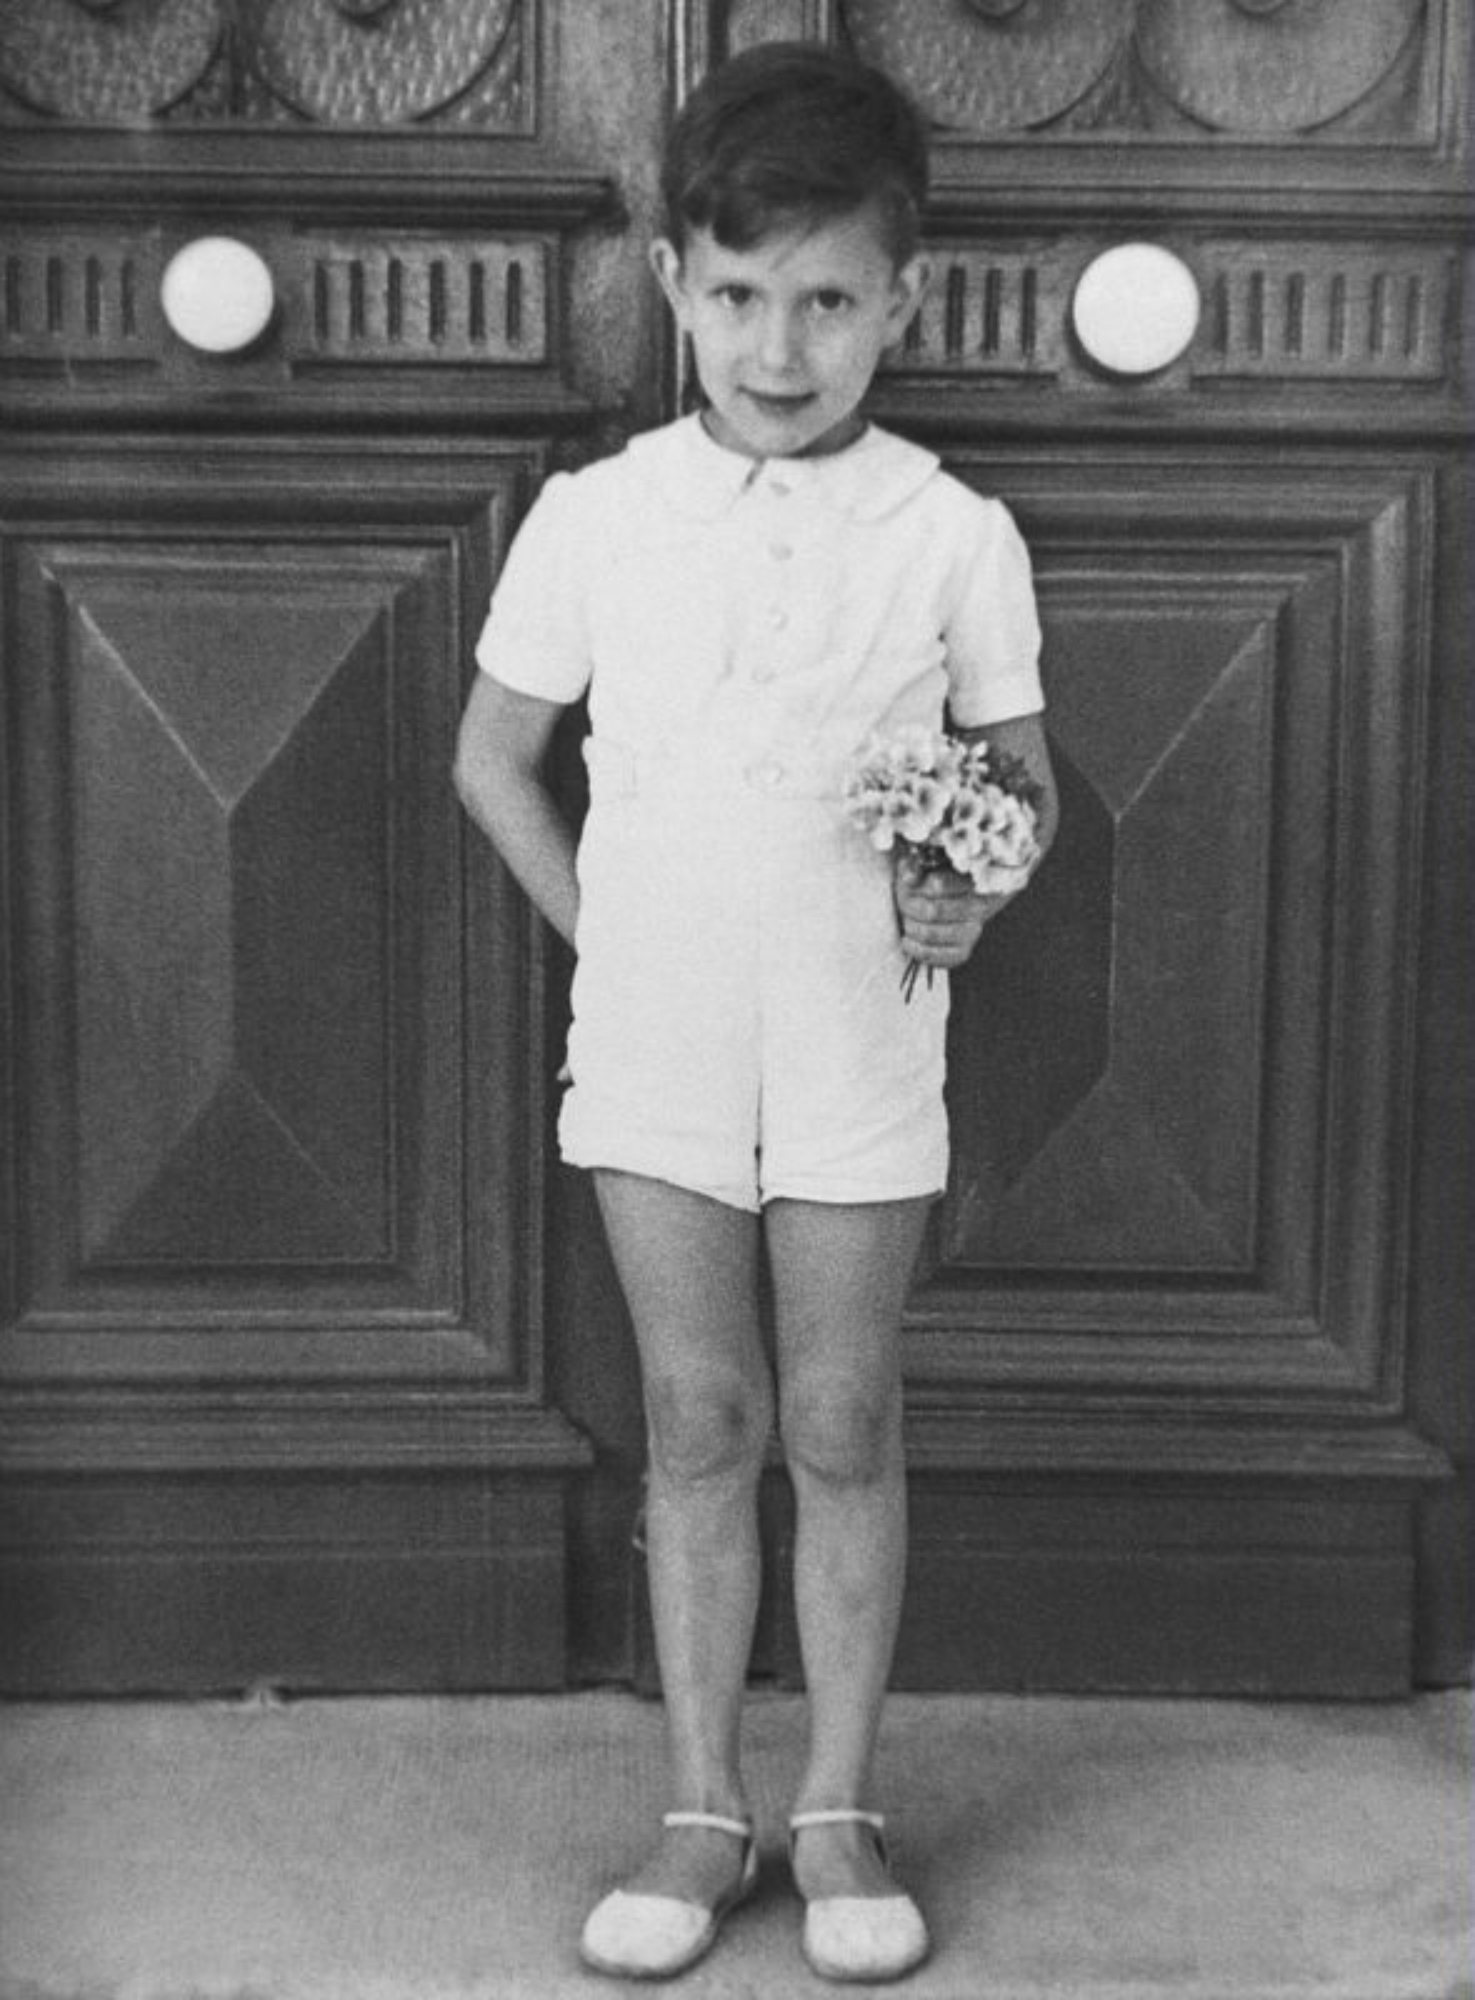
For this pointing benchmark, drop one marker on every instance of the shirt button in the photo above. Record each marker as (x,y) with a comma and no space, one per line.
(780,551)
(766,777)
(765,674)
(778,618)
(781,487)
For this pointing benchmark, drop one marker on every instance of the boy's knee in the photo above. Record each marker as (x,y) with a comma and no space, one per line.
(839,1437)
(707,1431)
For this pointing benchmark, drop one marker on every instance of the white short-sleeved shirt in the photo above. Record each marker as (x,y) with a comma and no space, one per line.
(740,628)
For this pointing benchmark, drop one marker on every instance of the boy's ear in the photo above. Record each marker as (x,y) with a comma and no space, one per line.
(912,280)
(665,261)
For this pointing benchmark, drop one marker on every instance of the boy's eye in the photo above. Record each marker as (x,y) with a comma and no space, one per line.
(830,301)
(734,295)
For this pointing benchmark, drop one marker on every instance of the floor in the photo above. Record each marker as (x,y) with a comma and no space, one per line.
(446,1849)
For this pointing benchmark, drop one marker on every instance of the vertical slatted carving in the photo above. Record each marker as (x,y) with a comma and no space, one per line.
(989,312)
(1300,312)
(83,297)
(413,300)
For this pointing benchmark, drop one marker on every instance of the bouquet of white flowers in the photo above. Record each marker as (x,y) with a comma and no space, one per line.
(946,804)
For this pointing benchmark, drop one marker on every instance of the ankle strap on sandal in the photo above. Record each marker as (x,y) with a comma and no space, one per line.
(838,1816)
(741,1829)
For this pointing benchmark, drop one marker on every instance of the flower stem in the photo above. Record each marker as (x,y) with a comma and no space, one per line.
(909,974)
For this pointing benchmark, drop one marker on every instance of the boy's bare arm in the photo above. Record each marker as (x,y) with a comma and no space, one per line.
(1023,736)
(942,916)
(499,775)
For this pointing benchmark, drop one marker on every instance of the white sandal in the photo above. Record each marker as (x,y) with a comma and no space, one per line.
(860,1938)
(637,1936)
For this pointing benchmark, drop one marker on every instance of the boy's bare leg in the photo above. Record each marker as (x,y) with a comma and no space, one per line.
(688,1267)
(840,1280)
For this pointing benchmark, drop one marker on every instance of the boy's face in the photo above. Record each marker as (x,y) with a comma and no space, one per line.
(787,333)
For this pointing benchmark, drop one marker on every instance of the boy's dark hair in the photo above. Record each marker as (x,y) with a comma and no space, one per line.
(794,131)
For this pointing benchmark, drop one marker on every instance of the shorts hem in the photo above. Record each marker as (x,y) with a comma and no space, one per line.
(824,1192)
(851,1194)
(620,1160)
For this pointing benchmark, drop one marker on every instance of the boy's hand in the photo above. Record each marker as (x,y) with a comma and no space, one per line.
(942,915)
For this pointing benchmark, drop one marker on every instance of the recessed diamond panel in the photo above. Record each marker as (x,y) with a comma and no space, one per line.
(1106,1116)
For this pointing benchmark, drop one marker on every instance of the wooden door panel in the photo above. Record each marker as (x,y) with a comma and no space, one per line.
(272,1318)
(230,742)
(280,1087)
(1164,1354)
(1136,1151)
(240,885)
(1156,1355)
(1180,1074)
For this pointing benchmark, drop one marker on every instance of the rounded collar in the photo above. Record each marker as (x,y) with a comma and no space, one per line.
(697,477)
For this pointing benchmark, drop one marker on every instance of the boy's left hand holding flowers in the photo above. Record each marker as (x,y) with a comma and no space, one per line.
(966,820)
(942,914)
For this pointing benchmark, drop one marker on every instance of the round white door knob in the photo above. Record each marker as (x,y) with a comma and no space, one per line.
(1136,308)
(217,294)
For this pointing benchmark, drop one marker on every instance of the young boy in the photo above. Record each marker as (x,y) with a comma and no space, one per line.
(745,596)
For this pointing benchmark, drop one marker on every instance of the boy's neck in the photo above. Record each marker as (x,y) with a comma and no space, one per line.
(839,439)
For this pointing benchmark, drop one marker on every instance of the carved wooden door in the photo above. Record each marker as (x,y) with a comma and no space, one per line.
(275,1172)
(316,1371)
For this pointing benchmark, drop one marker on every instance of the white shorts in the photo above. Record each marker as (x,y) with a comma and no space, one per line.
(739,1027)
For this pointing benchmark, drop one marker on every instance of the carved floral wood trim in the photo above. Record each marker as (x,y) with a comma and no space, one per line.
(458,63)
(1188,69)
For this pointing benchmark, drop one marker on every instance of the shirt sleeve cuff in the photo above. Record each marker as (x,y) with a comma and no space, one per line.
(1001,701)
(526,671)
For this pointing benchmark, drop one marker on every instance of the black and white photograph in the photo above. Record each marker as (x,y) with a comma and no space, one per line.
(882,584)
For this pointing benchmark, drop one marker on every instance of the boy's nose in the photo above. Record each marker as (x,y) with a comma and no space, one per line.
(779,340)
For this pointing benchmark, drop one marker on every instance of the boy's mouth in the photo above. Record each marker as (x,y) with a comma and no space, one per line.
(778,405)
